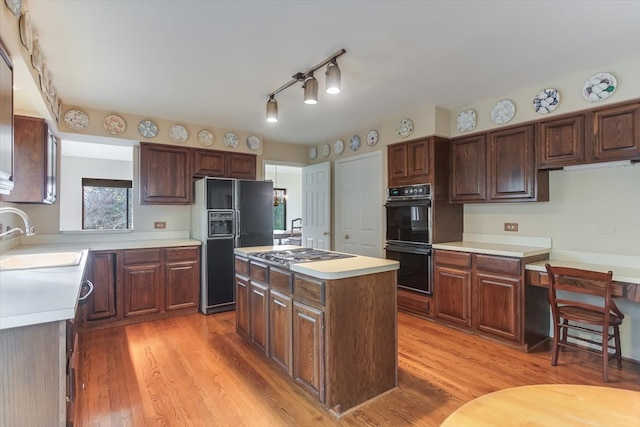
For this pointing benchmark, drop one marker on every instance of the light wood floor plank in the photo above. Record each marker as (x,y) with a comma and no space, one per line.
(196,371)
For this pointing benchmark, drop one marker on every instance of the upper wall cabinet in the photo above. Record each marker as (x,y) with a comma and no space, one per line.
(165,174)
(497,166)
(223,164)
(409,163)
(35,158)
(601,135)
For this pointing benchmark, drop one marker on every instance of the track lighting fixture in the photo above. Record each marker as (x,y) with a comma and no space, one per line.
(309,84)
(272,110)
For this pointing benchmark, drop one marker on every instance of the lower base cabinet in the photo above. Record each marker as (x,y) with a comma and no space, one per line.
(486,294)
(281,330)
(259,318)
(136,285)
(308,349)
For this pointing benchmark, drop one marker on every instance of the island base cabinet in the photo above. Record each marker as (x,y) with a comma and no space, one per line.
(259,320)
(308,349)
(33,384)
(280,330)
(242,305)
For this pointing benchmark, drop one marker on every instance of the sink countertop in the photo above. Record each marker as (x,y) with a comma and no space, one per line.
(358,265)
(41,295)
(500,249)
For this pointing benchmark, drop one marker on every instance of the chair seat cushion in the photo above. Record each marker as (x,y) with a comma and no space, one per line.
(579,314)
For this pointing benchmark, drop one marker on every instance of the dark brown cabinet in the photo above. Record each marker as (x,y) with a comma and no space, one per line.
(101,272)
(181,272)
(486,294)
(499,166)
(410,162)
(241,166)
(142,282)
(600,135)
(308,349)
(452,274)
(259,318)
(280,330)
(35,162)
(209,163)
(242,305)
(165,175)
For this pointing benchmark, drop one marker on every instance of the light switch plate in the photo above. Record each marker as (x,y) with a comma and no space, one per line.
(160,225)
(510,226)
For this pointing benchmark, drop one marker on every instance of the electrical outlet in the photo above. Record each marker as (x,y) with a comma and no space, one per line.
(510,226)
(159,225)
(607,230)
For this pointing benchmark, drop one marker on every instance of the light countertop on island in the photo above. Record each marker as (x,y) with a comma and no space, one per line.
(356,265)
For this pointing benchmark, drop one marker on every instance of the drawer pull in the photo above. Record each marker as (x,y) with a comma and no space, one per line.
(87,283)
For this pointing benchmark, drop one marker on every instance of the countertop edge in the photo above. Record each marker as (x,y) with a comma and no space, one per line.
(345,274)
(620,274)
(486,249)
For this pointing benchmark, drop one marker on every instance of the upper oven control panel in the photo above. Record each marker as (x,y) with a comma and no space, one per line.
(418,191)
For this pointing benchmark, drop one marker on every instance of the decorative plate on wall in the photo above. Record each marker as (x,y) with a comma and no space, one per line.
(326,150)
(147,128)
(205,137)
(546,101)
(36,56)
(355,142)
(600,86)
(253,142)
(76,119)
(466,121)
(372,138)
(313,152)
(114,124)
(503,112)
(405,128)
(231,140)
(15,6)
(178,134)
(338,146)
(26,32)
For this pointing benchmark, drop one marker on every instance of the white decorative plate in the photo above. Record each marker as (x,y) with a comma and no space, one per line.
(147,128)
(600,86)
(466,120)
(503,112)
(36,56)
(326,150)
(253,142)
(76,119)
(405,128)
(355,142)
(231,140)
(26,32)
(178,134)
(114,124)
(313,152)
(205,137)
(372,138)
(15,6)
(546,100)
(338,146)
(44,79)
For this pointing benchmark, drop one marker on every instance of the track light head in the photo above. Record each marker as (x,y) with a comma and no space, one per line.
(310,90)
(272,110)
(333,77)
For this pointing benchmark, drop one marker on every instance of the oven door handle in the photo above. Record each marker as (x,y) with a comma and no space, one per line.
(408,249)
(407,203)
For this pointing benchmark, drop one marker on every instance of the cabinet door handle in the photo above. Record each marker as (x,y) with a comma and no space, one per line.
(83,299)
(346,236)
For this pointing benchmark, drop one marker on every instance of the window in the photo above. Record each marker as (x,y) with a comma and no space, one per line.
(106,204)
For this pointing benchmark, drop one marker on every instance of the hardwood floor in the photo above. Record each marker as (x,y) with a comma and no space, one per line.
(196,371)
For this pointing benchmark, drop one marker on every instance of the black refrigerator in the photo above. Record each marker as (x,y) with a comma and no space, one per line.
(228,213)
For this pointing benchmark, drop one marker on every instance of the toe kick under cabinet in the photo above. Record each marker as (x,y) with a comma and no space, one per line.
(486,294)
(335,338)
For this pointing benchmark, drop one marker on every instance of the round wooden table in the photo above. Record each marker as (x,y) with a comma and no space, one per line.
(550,405)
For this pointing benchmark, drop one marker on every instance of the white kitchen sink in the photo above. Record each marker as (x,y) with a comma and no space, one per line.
(42,260)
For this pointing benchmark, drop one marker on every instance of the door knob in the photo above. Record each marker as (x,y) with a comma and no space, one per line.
(346,236)
(325,234)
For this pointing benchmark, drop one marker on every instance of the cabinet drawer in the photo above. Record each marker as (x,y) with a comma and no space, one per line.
(281,280)
(182,254)
(141,256)
(241,266)
(498,264)
(307,289)
(457,259)
(259,272)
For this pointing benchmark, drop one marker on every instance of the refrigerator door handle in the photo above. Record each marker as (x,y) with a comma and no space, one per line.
(237,225)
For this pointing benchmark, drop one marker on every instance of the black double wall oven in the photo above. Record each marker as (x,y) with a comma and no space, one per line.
(409,235)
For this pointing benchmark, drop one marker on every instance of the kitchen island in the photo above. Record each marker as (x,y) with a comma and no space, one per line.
(329,325)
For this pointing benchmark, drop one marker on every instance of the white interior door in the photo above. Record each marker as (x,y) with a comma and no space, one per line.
(316,206)
(359,205)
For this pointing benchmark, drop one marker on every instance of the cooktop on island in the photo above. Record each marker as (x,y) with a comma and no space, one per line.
(294,256)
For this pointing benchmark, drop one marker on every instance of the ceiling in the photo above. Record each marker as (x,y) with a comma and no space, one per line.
(215,62)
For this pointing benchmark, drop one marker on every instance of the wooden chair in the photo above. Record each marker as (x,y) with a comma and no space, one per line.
(593,319)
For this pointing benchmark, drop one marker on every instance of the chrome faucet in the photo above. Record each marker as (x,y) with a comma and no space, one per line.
(28,227)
